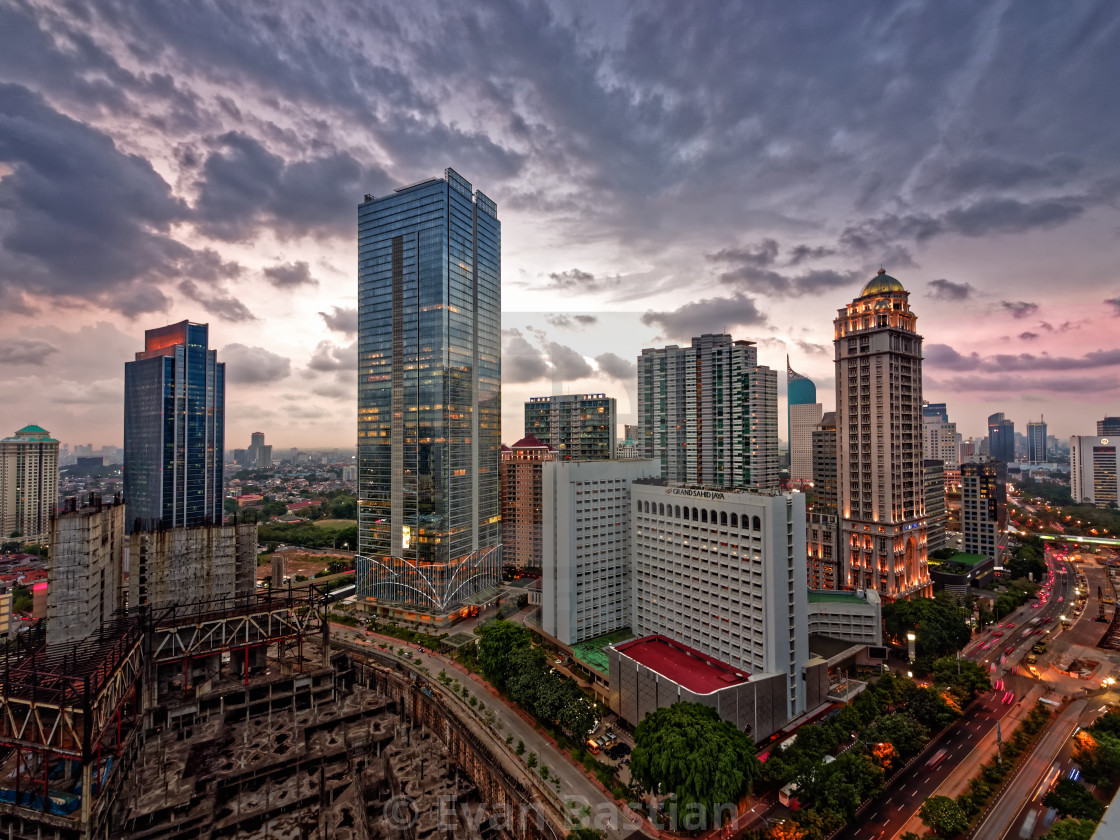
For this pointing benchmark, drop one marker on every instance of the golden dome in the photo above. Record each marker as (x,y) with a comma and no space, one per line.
(881,284)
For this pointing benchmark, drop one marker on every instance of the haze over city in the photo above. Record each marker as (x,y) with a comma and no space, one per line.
(656,178)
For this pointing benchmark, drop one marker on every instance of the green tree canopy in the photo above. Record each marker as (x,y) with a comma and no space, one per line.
(940,624)
(943,815)
(498,639)
(901,730)
(1070,829)
(1072,799)
(687,750)
(971,681)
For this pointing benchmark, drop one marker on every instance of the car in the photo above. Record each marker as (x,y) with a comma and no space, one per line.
(419,650)
(998,633)
(1010,650)
(1060,599)
(1048,619)
(1010,626)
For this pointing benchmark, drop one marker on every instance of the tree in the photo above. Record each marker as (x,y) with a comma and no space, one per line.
(1071,829)
(687,750)
(1098,753)
(1072,799)
(901,730)
(929,708)
(498,640)
(943,815)
(971,681)
(835,789)
(531,761)
(940,624)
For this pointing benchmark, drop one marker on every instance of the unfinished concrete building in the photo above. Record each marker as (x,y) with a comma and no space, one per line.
(85,570)
(250,722)
(191,565)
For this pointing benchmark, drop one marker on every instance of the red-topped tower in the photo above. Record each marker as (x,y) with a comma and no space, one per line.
(879,442)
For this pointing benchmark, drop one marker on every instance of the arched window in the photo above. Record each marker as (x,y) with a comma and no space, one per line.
(638,505)
(661,510)
(677,511)
(723,517)
(686,514)
(713,517)
(703,516)
(695,515)
(756,524)
(734,520)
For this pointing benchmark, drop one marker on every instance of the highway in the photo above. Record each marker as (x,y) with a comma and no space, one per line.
(971,740)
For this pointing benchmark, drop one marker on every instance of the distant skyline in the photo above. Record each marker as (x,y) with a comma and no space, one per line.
(661,170)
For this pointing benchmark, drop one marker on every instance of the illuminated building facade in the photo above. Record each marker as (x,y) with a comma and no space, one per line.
(580,427)
(429,397)
(28,484)
(879,442)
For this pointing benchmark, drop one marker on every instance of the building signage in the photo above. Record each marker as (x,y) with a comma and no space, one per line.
(700,494)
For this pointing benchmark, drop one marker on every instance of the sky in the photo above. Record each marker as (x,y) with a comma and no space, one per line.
(661,169)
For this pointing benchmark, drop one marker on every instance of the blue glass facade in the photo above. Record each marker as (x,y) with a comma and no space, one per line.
(174,430)
(429,395)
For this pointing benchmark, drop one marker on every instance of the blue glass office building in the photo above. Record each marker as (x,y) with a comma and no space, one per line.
(429,397)
(174,430)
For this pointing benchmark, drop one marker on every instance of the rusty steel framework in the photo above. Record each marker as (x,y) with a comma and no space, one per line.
(83,702)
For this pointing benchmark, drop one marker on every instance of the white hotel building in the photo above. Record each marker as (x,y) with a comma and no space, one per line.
(722,570)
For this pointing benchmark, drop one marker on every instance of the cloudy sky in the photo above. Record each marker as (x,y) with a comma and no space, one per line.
(661,169)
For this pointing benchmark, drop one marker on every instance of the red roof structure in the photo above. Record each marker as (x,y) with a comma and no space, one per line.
(530,442)
(696,671)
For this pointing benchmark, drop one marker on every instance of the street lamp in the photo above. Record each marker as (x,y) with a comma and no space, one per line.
(911,643)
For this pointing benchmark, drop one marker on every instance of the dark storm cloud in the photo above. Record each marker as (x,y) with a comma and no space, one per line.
(217,302)
(290,275)
(616,367)
(710,315)
(943,289)
(78,218)
(1027,384)
(567,363)
(25,351)
(987,172)
(760,256)
(1019,308)
(748,277)
(811,348)
(942,356)
(567,322)
(243,187)
(341,319)
(1028,336)
(329,356)
(1115,304)
(575,280)
(253,365)
(1010,215)
(522,362)
(800,253)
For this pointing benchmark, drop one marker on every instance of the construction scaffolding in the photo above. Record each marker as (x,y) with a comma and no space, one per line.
(72,716)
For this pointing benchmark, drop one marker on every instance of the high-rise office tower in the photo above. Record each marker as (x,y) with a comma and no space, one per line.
(823,532)
(580,427)
(429,396)
(803,415)
(28,484)
(933,489)
(1108,426)
(709,413)
(174,430)
(1036,442)
(522,508)
(879,441)
(1093,474)
(259,452)
(984,508)
(1001,438)
(940,439)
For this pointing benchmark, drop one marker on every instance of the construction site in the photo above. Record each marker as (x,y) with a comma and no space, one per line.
(240,718)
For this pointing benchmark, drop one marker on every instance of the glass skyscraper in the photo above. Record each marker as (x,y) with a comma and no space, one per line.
(429,396)
(174,430)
